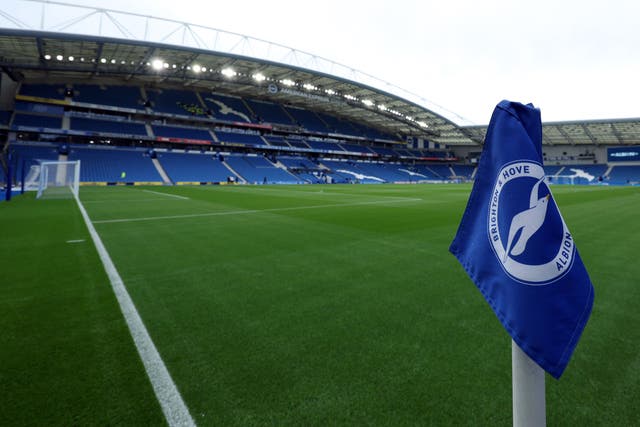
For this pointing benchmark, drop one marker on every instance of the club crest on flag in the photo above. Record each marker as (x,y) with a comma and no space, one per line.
(521,210)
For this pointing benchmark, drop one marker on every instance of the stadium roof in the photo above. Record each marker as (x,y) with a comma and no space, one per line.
(107,46)
(592,132)
(36,56)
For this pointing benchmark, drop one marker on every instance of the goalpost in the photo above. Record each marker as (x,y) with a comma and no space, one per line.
(58,179)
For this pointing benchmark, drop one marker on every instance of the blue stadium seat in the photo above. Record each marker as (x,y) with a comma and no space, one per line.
(111,164)
(115,96)
(193,167)
(107,126)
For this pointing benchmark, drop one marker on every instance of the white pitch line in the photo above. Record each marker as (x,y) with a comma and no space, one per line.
(75,241)
(173,407)
(250,211)
(166,194)
(155,199)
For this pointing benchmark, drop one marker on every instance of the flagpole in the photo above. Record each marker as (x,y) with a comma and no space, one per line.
(529,407)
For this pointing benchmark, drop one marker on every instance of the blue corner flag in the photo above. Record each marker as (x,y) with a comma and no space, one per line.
(517,249)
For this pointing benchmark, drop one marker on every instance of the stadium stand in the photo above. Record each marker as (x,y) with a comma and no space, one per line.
(178,102)
(27,155)
(193,167)
(227,108)
(107,126)
(307,119)
(101,164)
(463,171)
(324,146)
(36,121)
(580,174)
(45,91)
(240,138)
(624,175)
(277,140)
(114,96)
(269,112)
(258,170)
(181,133)
(5,117)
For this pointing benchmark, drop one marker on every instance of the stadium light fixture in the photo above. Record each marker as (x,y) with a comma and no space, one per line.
(330,91)
(382,107)
(204,69)
(59,57)
(423,124)
(47,57)
(350,97)
(196,68)
(228,72)
(156,64)
(367,102)
(288,82)
(309,86)
(165,65)
(113,61)
(71,58)
(103,60)
(259,77)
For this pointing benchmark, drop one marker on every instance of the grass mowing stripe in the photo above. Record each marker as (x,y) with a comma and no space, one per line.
(166,194)
(173,407)
(250,211)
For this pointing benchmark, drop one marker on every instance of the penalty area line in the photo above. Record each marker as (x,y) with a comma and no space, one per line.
(166,194)
(253,211)
(173,407)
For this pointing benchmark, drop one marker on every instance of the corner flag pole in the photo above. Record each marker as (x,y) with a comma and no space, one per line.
(529,407)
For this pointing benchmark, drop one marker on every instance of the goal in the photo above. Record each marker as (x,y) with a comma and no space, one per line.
(58,180)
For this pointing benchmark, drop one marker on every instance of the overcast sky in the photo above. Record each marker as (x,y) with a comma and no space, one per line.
(575,60)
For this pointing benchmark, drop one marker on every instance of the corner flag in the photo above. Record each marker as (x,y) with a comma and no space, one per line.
(517,249)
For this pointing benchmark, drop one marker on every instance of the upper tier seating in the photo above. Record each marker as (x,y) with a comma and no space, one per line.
(269,112)
(307,119)
(114,96)
(227,108)
(43,91)
(179,102)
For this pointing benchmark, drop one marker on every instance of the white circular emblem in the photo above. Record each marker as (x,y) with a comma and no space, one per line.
(515,236)
(272,88)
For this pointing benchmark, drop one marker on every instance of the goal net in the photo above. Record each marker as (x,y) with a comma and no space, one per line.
(58,180)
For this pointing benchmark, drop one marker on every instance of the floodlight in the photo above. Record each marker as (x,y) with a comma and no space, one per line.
(228,72)
(103,60)
(309,86)
(423,124)
(59,57)
(71,58)
(156,64)
(287,82)
(382,107)
(259,77)
(367,102)
(330,91)
(197,68)
(47,57)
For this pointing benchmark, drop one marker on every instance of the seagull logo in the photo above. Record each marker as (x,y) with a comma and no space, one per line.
(528,222)
(529,237)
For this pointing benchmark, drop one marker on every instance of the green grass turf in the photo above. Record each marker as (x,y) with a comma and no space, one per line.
(308,305)
(66,356)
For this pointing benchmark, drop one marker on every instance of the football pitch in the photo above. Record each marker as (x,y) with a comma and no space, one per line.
(294,306)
